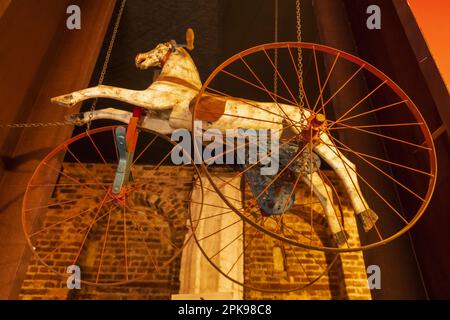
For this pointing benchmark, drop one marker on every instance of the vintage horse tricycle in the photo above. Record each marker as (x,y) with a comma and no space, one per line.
(306,130)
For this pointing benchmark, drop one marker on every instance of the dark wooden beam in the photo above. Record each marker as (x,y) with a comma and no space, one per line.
(49,60)
(400,50)
(400,273)
(428,67)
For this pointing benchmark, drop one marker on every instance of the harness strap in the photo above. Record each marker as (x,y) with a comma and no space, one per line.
(176,80)
(210,107)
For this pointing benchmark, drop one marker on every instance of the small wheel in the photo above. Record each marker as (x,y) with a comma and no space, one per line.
(378,144)
(115,238)
(249,257)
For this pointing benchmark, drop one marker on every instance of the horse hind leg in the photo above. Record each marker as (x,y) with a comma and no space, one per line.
(346,171)
(155,124)
(107,113)
(324,194)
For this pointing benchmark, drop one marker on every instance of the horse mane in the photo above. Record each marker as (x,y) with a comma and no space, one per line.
(184,54)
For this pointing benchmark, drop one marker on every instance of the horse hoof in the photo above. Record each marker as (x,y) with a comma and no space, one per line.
(340,238)
(368,219)
(64,101)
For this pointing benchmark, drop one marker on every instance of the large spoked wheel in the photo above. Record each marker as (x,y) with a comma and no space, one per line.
(327,119)
(115,238)
(245,255)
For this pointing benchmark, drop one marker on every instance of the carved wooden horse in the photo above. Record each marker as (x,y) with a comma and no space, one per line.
(168,101)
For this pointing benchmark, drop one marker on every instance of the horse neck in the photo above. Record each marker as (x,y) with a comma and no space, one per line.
(180,65)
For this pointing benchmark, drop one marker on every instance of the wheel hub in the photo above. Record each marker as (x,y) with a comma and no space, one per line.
(316,124)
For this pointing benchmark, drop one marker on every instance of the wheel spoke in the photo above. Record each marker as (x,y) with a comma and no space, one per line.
(245,101)
(322,87)
(242,253)
(67,184)
(256,163)
(59,222)
(268,92)
(378,125)
(281,78)
(155,169)
(57,204)
(375,110)
(83,165)
(83,185)
(138,227)
(221,229)
(340,88)
(311,187)
(299,80)
(90,227)
(125,241)
(386,137)
(383,160)
(68,240)
(254,85)
(104,245)
(330,196)
(372,188)
(213,216)
(95,147)
(115,144)
(286,203)
(143,151)
(280,173)
(359,102)
(226,246)
(381,171)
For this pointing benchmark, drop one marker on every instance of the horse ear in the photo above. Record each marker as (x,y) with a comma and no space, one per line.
(190,39)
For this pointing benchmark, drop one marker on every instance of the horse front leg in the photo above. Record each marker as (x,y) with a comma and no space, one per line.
(346,171)
(155,124)
(324,193)
(140,98)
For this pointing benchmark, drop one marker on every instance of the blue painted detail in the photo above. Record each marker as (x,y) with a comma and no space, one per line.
(303,162)
(123,159)
(275,200)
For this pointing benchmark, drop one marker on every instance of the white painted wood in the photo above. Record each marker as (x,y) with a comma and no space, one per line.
(197,276)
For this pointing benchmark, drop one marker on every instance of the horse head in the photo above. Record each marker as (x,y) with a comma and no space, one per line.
(161,53)
(156,57)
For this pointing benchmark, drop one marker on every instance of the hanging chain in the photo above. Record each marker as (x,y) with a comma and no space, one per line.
(100,81)
(107,59)
(300,58)
(37,124)
(275,75)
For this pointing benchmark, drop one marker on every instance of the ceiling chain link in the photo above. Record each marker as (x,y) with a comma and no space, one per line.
(107,59)
(300,58)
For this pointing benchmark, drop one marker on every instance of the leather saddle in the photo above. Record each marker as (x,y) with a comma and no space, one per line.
(210,107)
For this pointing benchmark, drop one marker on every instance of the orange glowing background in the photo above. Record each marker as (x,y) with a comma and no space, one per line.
(433,18)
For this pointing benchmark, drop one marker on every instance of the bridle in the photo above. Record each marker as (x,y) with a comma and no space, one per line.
(168,53)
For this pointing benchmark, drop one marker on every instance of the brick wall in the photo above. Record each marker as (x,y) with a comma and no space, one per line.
(148,245)
(268,263)
(343,276)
